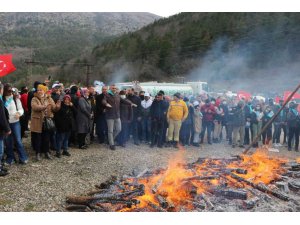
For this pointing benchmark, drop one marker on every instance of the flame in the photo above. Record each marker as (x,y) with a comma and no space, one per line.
(169,183)
(172,183)
(260,167)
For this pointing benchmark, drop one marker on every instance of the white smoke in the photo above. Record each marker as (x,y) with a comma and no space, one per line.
(256,64)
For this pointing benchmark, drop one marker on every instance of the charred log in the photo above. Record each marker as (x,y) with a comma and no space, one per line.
(233,193)
(162,201)
(261,187)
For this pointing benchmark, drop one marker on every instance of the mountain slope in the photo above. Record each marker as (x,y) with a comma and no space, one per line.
(60,37)
(229,50)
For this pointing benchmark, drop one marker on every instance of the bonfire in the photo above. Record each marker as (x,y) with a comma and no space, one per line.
(198,186)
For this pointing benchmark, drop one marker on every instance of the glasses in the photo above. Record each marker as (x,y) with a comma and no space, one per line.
(9,91)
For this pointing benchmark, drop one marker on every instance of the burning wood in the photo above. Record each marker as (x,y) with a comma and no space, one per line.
(162,201)
(261,187)
(206,184)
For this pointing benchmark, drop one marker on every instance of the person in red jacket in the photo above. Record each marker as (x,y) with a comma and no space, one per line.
(208,111)
(25,118)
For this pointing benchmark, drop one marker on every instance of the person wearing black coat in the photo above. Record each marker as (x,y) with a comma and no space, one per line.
(224,120)
(4,130)
(74,100)
(281,120)
(293,122)
(137,114)
(158,112)
(126,114)
(63,122)
(248,111)
(101,125)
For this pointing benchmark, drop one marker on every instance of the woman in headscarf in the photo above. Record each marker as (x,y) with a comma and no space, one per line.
(83,118)
(42,106)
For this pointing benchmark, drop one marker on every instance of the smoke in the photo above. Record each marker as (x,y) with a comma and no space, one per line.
(261,62)
(119,75)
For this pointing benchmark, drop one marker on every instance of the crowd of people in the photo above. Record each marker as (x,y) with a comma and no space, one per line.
(60,117)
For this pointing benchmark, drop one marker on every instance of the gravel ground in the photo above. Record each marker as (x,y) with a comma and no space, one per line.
(43,186)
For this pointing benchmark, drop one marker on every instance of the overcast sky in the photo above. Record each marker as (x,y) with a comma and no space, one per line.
(160,7)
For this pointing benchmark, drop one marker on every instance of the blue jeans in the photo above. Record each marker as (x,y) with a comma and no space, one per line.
(134,130)
(62,140)
(123,135)
(15,136)
(207,125)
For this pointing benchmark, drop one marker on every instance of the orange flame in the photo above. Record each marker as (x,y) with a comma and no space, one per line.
(260,167)
(172,184)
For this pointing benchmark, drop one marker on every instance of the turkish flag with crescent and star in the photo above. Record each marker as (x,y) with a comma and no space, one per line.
(6,65)
(243,95)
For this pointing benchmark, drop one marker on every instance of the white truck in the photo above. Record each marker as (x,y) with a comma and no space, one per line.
(153,87)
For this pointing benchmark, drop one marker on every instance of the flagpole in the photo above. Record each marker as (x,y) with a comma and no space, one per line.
(271,120)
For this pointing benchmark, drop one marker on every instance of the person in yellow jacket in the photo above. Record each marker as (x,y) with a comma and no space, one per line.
(177,113)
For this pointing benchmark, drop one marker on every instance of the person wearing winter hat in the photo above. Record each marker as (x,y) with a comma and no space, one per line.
(177,113)
(43,107)
(63,122)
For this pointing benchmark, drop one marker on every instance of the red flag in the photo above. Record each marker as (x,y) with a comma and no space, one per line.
(277,99)
(6,65)
(286,94)
(243,95)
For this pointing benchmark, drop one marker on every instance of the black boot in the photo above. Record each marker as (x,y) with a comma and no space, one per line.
(47,155)
(58,154)
(2,168)
(3,173)
(66,153)
(175,144)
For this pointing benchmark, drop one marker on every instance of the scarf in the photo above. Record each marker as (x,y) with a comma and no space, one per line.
(8,101)
(110,92)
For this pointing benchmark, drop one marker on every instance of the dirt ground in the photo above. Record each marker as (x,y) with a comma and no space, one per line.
(43,186)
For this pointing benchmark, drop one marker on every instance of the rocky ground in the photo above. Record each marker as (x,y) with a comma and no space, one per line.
(44,185)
